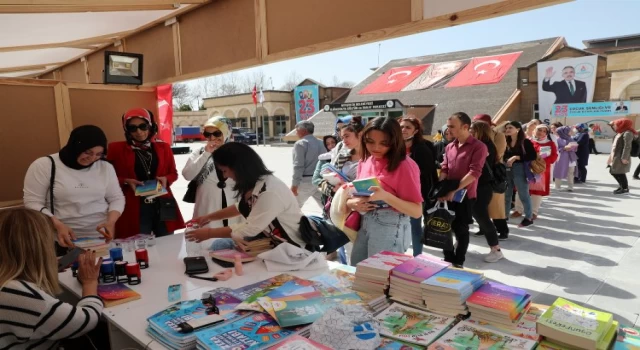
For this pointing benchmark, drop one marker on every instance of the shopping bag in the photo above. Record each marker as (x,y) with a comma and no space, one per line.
(437,227)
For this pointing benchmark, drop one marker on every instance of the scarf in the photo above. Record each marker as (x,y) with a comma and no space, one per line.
(623,125)
(81,139)
(148,117)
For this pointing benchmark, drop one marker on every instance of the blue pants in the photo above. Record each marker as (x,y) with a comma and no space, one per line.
(381,230)
(416,235)
(517,178)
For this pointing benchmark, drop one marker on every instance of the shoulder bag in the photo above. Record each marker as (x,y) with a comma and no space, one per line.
(190,195)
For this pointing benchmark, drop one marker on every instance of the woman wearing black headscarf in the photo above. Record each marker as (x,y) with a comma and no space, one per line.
(87,200)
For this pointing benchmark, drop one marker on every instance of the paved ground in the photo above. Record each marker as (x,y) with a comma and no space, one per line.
(584,246)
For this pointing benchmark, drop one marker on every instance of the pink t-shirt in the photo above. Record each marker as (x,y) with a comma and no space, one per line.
(403,183)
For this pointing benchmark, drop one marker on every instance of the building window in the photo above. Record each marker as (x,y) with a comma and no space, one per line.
(395,114)
(280,125)
(535,111)
(265,127)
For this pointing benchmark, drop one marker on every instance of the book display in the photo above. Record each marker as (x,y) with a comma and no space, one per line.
(372,274)
(413,326)
(406,278)
(446,292)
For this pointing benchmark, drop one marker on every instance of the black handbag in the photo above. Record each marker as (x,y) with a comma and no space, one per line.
(190,195)
(167,209)
(498,175)
(437,227)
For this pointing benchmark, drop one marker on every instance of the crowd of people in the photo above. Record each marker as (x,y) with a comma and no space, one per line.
(88,189)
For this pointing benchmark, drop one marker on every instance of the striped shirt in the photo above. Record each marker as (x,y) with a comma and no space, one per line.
(32,319)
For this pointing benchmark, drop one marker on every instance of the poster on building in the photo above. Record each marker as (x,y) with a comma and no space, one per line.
(595,109)
(563,81)
(307,101)
(437,75)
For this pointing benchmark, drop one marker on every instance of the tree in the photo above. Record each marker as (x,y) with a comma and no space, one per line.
(291,81)
(230,84)
(210,86)
(182,95)
(257,79)
(343,84)
(185,108)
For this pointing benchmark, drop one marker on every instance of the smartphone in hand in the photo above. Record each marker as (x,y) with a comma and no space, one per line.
(69,258)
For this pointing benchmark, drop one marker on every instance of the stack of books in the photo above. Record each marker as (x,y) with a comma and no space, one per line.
(411,325)
(447,291)
(566,324)
(342,278)
(372,274)
(98,244)
(526,328)
(499,304)
(407,277)
(628,338)
(258,244)
(470,336)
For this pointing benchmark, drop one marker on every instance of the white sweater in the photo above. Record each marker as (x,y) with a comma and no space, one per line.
(33,319)
(82,198)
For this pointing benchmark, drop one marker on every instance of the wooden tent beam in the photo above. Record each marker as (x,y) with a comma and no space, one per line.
(86,43)
(29,68)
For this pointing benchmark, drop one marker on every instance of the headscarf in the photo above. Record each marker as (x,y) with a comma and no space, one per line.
(623,125)
(582,127)
(548,137)
(141,113)
(564,132)
(81,139)
(224,125)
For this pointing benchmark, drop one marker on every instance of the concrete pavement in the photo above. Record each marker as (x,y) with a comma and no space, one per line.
(584,245)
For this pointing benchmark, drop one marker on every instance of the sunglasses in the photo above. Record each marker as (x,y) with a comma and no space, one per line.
(133,128)
(209,134)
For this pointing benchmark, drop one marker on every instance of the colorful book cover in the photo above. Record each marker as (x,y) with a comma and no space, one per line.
(250,294)
(575,320)
(116,294)
(420,267)
(456,279)
(337,278)
(149,187)
(547,345)
(628,339)
(300,312)
(411,325)
(493,295)
(256,331)
(384,260)
(391,344)
(297,342)
(467,336)
(526,328)
(362,189)
(605,342)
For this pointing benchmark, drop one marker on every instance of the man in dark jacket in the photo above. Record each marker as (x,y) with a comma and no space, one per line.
(582,138)
(568,90)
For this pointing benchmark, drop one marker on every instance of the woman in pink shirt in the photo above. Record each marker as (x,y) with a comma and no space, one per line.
(384,157)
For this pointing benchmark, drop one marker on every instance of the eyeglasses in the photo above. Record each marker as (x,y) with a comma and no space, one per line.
(217,133)
(142,127)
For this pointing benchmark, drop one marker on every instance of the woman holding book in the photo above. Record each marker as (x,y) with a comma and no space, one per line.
(519,153)
(267,203)
(76,188)
(422,152)
(214,191)
(32,317)
(384,157)
(141,158)
(548,151)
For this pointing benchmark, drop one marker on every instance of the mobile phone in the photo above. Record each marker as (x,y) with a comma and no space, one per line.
(69,258)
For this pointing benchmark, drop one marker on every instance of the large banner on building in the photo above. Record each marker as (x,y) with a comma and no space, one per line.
(568,80)
(595,109)
(394,80)
(307,101)
(164,95)
(485,70)
(436,75)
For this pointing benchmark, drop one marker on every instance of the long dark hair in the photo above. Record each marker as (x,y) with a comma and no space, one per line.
(521,135)
(355,125)
(417,124)
(245,163)
(390,127)
(325,138)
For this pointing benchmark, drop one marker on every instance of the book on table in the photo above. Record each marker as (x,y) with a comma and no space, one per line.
(149,188)
(570,324)
(93,243)
(603,344)
(469,336)
(393,344)
(250,294)
(301,312)
(116,294)
(419,268)
(628,338)
(297,342)
(499,300)
(372,274)
(412,325)
(526,328)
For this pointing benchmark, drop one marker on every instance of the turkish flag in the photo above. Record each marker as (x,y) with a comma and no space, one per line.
(165,113)
(254,94)
(485,70)
(394,80)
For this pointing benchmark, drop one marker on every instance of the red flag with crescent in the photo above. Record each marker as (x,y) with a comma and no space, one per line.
(394,80)
(485,70)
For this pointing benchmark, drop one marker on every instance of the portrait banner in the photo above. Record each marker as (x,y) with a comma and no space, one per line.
(436,75)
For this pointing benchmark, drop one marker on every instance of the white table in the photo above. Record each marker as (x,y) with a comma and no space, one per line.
(128,322)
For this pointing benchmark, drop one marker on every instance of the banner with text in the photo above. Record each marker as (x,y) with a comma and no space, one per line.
(565,81)
(307,101)
(596,109)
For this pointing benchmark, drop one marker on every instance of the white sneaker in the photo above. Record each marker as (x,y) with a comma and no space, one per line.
(494,256)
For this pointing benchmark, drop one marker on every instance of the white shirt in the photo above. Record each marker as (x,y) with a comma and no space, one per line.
(82,198)
(276,202)
(208,195)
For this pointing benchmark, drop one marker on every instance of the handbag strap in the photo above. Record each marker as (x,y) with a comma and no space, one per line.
(52,180)
(222,184)
(199,179)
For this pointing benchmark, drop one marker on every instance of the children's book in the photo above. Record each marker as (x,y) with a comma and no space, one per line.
(412,325)
(391,344)
(628,339)
(454,281)
(337,278)
(362,189)
(419,268)
(380,264)
(300,312)
(526,328)
(500,299)
(116,294)
(297,342)
(256,331)
(468,336)
(149,188)
(250,294)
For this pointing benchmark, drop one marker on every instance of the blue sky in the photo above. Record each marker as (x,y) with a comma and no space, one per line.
(576,21)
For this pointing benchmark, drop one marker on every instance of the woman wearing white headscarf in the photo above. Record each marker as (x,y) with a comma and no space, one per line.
(214,192)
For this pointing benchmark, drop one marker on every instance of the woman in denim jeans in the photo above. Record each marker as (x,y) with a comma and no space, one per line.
(384,156)
(519,153)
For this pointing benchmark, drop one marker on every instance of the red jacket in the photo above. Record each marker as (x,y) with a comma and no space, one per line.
(122,156)
(543,188)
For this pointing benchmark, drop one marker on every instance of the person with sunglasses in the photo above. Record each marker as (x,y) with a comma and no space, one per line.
(76,189)
(138,159)
(214,191)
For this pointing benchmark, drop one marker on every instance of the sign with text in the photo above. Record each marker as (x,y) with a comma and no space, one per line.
(596,109)
(307,101)
(360,106)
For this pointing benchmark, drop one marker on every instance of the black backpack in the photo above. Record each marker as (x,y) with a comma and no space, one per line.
(635,147)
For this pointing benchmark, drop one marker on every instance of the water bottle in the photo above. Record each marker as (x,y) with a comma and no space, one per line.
(193,248)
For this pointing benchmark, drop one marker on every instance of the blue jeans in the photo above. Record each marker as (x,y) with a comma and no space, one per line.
(381,230)
(416,235)
(150,220)
(518,179)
